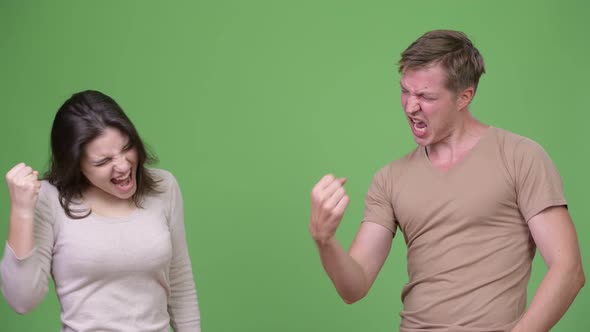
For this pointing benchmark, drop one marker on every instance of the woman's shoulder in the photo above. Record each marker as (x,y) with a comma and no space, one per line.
(164,179)
(48,199)
(48,190)
(160,174)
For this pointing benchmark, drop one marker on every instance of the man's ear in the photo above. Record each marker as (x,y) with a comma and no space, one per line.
(464,97)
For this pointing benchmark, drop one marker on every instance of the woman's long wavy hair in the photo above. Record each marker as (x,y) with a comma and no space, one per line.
(81,119)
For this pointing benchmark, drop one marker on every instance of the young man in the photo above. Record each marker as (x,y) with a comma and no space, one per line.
(474,202)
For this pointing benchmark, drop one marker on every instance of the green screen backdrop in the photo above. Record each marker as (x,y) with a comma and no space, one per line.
(249,103)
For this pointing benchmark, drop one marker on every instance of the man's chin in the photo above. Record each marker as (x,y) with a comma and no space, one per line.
(422,141)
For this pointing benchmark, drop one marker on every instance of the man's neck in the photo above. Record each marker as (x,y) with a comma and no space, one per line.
(461,139)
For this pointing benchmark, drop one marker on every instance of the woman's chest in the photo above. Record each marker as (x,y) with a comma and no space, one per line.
(101,247)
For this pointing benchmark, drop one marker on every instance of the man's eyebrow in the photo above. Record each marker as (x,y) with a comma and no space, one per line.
(420,92)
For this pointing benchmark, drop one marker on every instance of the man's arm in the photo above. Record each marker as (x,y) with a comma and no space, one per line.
(353,272)
(555,236)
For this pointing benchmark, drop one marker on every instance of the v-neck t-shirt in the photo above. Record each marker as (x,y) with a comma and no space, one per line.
(469,248)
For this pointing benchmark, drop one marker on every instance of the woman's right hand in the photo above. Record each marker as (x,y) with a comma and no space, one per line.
(23,187)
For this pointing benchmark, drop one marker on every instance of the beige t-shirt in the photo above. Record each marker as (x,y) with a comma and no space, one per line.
(469,246)
(111,274)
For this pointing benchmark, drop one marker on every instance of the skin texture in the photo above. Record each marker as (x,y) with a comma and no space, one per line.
(450,131)
(424,98)
(23,188)
(440,121)
(107,158)
(555,237)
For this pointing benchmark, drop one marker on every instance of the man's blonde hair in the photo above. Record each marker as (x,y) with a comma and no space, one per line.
(462,62)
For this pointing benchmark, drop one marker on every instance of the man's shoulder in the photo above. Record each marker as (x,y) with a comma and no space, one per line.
(515,143)
(397,166)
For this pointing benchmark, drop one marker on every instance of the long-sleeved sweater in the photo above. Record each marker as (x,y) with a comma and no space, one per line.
(111,274)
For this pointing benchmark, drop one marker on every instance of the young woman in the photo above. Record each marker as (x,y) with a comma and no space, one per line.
(107,229)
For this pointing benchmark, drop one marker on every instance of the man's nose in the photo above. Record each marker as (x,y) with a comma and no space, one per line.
(412,106)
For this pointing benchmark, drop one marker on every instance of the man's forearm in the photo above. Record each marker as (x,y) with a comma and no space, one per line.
(552,299)
(346,274)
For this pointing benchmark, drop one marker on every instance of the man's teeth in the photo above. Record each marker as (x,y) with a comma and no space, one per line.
(418,125)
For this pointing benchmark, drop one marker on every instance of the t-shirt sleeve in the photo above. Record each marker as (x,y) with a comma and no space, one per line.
(378,203)
(25,279)
(182,305)
(538,183)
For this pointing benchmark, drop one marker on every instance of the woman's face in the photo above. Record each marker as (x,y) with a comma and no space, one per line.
(110,164)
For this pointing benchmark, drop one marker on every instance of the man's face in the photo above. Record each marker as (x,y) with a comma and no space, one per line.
(432,110)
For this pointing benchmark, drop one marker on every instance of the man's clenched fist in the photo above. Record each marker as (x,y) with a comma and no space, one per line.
(328,202)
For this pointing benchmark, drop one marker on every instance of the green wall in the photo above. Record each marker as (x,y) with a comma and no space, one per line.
(249,103)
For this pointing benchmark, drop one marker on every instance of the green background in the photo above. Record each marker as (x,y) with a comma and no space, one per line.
(249,103)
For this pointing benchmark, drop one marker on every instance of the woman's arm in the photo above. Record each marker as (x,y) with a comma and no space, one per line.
(26,265)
